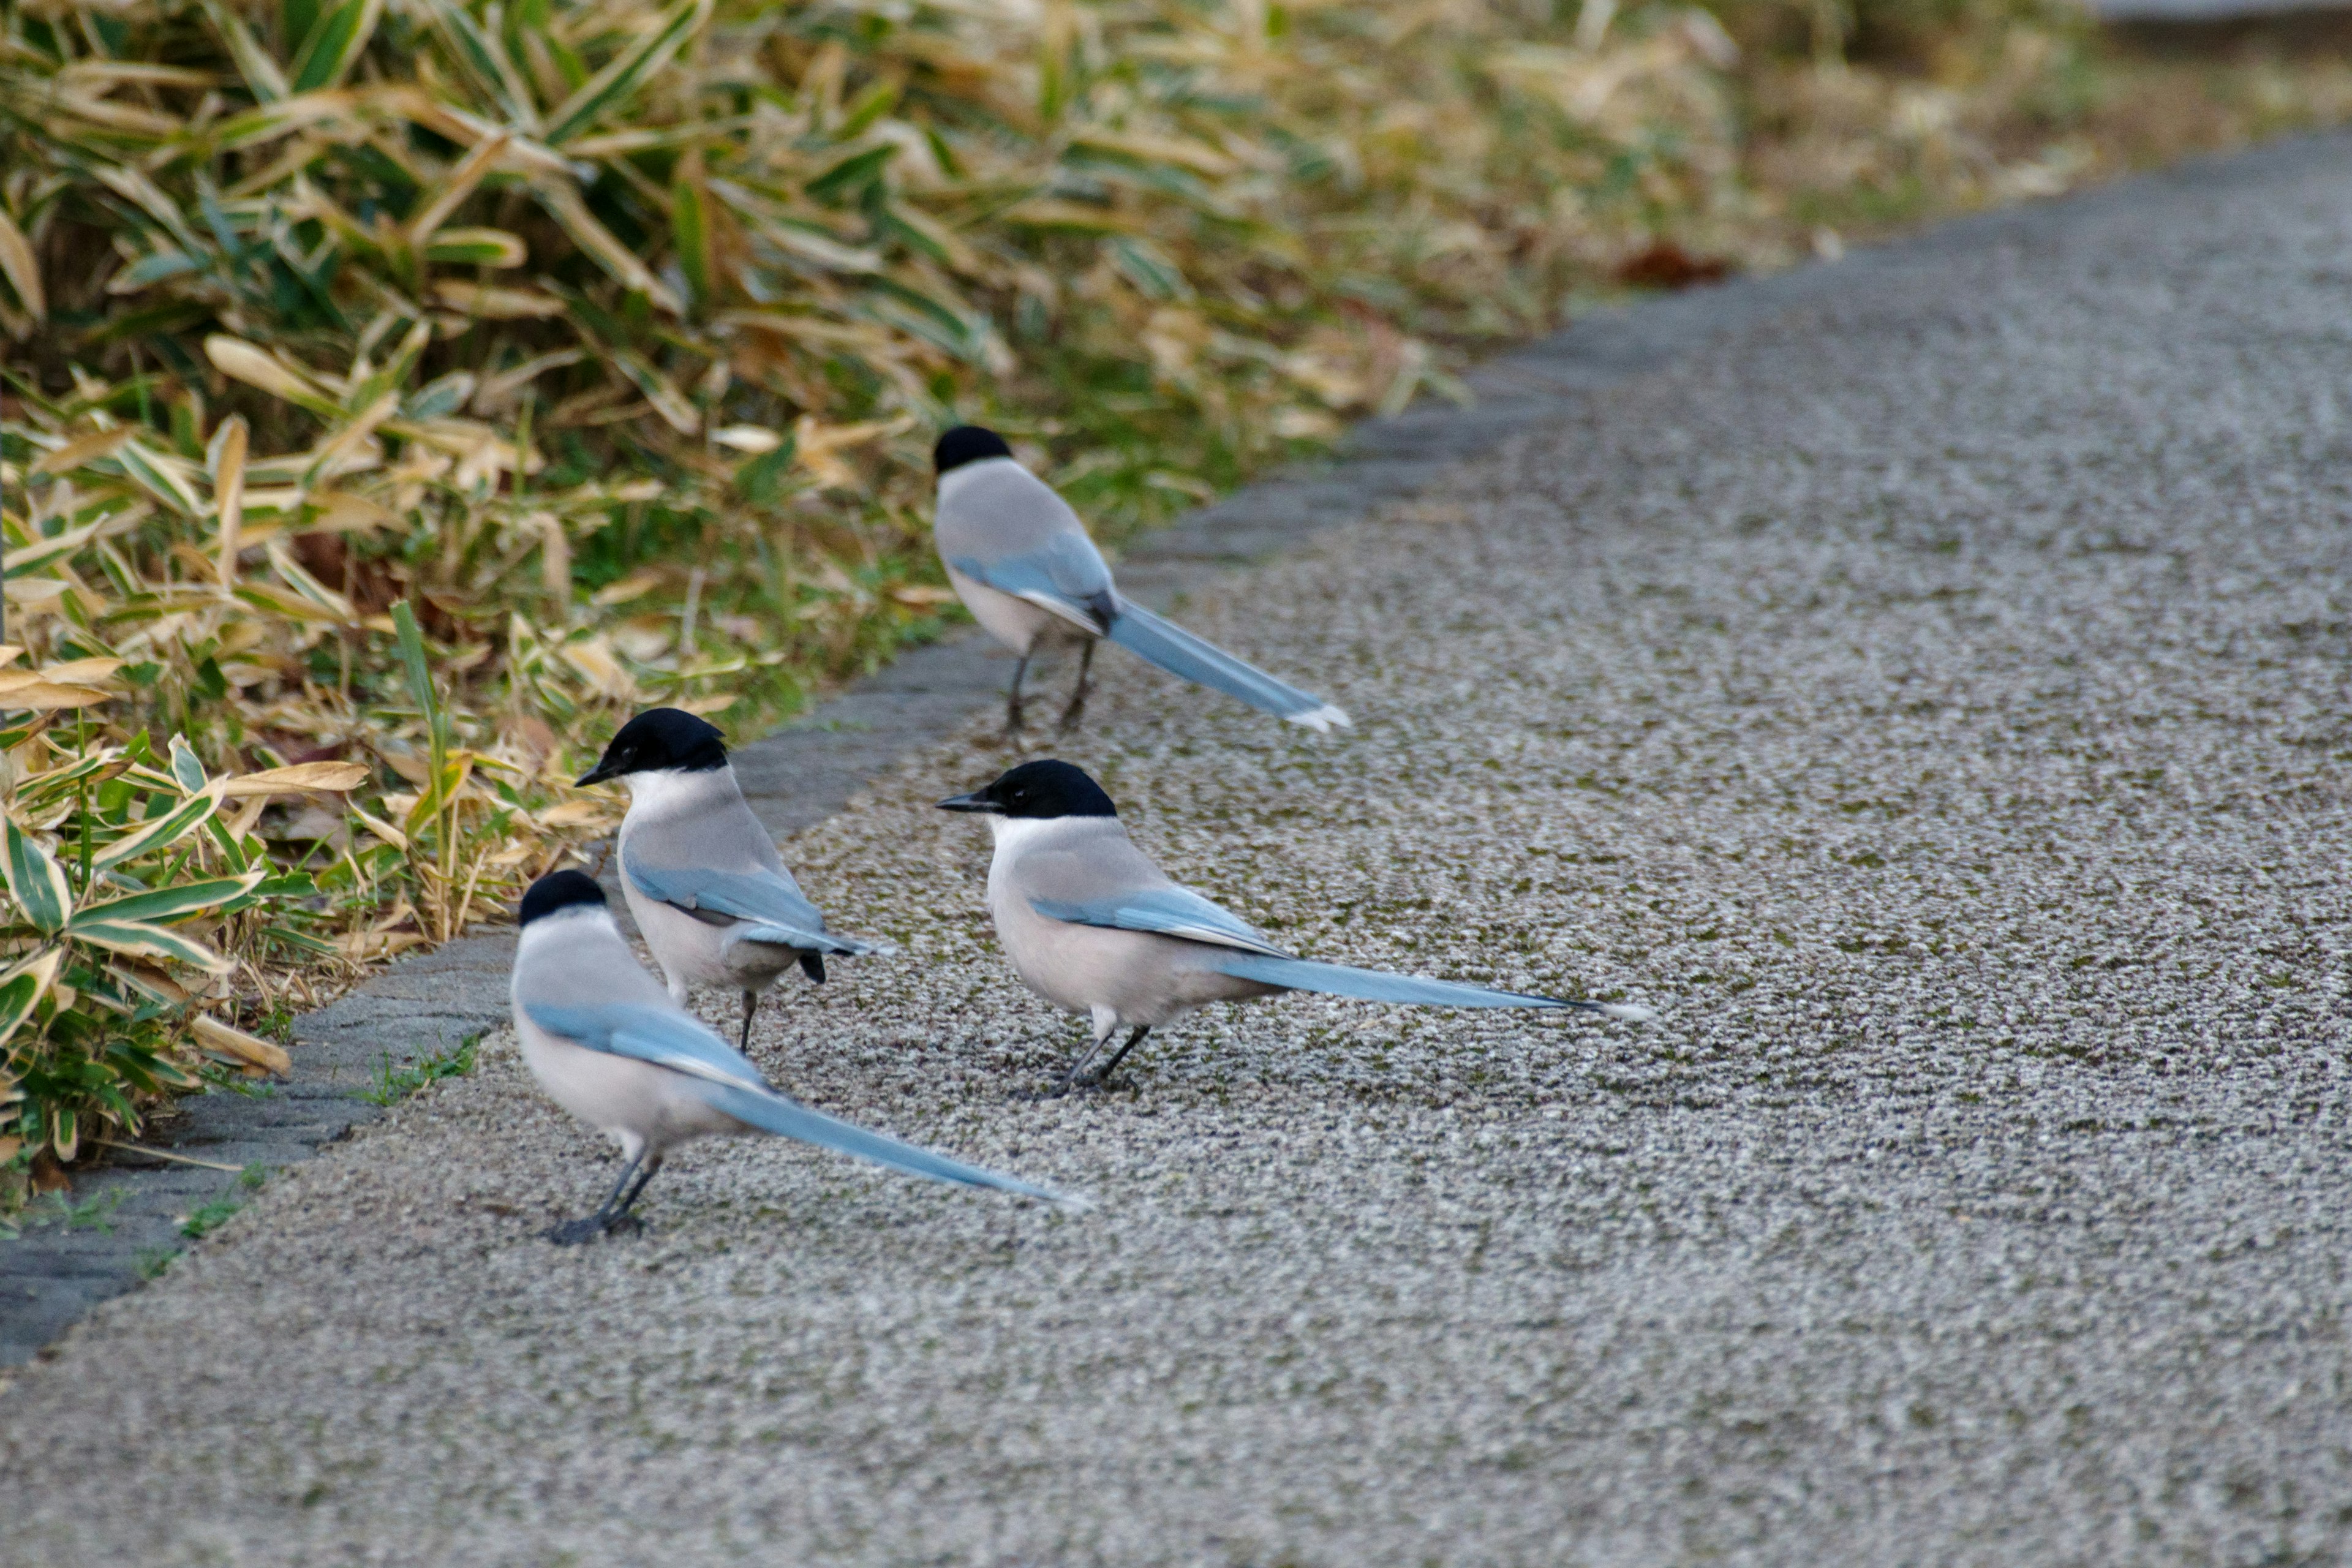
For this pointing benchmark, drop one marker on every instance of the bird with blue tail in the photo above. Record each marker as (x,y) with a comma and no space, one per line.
(700,873)
(1023,563)
(1094,927)
(609,1045)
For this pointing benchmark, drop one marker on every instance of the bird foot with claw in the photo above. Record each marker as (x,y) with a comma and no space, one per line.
(1067,1087)
(574,1232)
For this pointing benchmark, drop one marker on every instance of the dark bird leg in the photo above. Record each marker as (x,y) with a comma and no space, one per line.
(653,1163)
(1110,1067)
(1105,1027)
(1078,695)
(571,1233)
(1070,1080)
(750,1005)
(1013,696)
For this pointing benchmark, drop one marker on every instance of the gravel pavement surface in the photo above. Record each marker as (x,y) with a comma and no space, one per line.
(1934,696)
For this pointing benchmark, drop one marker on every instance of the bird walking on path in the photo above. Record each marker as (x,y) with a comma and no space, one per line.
(612,1048)
(1095,928)
(701,876)
(1020,560)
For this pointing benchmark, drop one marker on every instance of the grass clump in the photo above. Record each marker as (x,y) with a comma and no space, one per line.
(394,1084)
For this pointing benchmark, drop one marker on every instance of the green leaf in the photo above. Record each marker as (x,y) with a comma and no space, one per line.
(763,479)
(689,227)
(164,831)
(853,173)
(35,881)
(166,903)
(445,394)
(476,247)
(154,268)
(487,62)
(185,767)
(253,62)
(628,68)
(297,20)
(333,44)
(22,988)
(420,675)
(141,940)
(1154,275)
(158,479)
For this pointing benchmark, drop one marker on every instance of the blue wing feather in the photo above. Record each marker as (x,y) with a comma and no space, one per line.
(763,898)
(1068,570)
(1169,911)
(650,1034)
(728,1081)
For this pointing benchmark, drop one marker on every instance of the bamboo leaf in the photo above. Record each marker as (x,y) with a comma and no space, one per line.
(495,304)
(166,903)
(22,272)
(159,479)
(23,986)
(186,766)
(226,460)
(613,85)
(35,881)
(251,1049)
(333,44)
(49,696)
(661,392)
(484,58)
(853,173)
(255,64)
(242,361)
(159,833)
(333,777)
(563,202)
(476,247)
(139,938)
(433,210)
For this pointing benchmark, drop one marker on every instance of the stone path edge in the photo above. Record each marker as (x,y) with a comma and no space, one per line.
(431,1003)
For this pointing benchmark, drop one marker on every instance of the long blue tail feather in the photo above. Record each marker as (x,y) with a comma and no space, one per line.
(1180,653)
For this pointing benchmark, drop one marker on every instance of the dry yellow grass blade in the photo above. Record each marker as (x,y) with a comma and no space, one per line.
(226,460)
(330,777)
(226,1039)
(37,696)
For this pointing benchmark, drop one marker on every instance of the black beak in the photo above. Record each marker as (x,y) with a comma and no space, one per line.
(596,774)
(976,800)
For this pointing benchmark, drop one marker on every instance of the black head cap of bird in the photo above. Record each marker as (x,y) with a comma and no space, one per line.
(968,443)
(560,890)
(1038,790)
(659,738)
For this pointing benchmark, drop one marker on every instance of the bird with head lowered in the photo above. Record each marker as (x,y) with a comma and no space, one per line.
(1093,926)
(700,873)
(612,1048)
(1020,560)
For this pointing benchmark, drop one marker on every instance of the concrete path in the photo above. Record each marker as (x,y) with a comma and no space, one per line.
(1931,688)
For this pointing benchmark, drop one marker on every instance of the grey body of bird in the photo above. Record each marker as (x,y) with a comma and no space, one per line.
(684,832)
(577,960)
(1020,560)
(1118,978)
